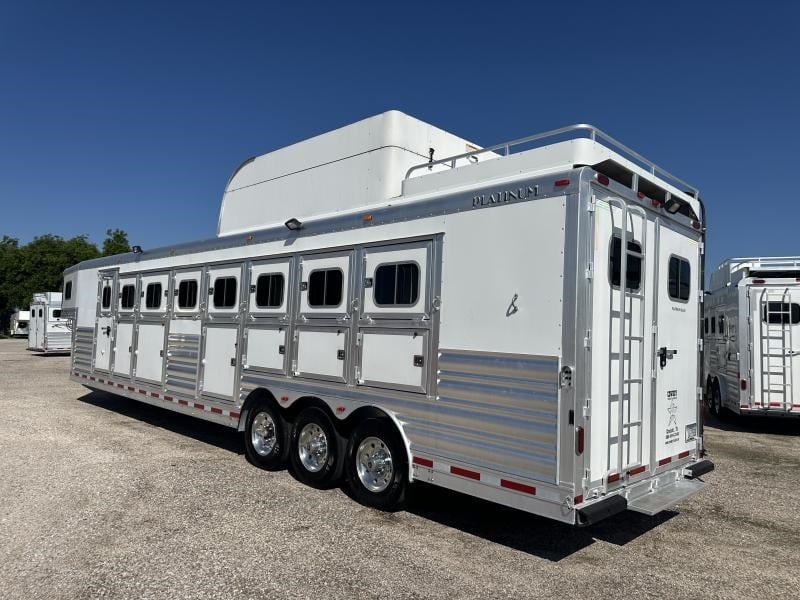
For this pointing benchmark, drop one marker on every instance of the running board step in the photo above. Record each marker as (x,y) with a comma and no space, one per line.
(664,497)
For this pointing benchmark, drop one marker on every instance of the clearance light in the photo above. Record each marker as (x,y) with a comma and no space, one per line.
(561,182)
(366,218)
(696,224)
(655,203)
(602,179)
(640,195)
(579,439)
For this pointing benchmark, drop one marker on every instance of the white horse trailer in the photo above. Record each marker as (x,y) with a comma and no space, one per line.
(48,330)
(19,323)
(371,312)
(752,337)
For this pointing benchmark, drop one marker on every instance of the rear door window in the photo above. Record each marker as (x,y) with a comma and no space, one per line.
(780,313)
(679,279)
(633,265)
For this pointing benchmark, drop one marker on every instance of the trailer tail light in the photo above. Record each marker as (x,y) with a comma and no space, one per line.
(579,439)
(602,179)
(696,224)
(561,182)
(759,281)
(743,385)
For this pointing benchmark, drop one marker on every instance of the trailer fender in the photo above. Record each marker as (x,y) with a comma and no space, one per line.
(368,412)
(721,382)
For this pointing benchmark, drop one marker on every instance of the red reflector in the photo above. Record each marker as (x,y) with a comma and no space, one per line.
(423,462)
(744,406)
(340,409)
(154,395)
(613,477)
(743,384)
(284,398)
(579,438)
(759,281)
(184,402)
(199,406)
(561,182)
(234,415)
(637,470)
(216,410)
(665,461)
(683,454)
(465,473)
(119,385)
(141,391)
(131,389)
(578,499)
(696,224)
(101,380)
(168,398)
(640,195)
(600,179)
(775,404)
(519,487)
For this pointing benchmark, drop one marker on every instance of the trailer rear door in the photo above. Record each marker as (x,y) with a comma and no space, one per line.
(676,335)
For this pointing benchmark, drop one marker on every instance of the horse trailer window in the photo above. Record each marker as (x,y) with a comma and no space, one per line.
(397,284)
(225,292)
(679,281)
(706,325)
(187,293)
(128,296)
(68,290)
(713,325)
(325,288)
(633,267)
(722,324)
(41,314)
(106,302)
(152,298)
(269,290)
(781,313)
(57,313)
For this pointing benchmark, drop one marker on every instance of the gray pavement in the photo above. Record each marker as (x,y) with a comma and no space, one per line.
(103,497)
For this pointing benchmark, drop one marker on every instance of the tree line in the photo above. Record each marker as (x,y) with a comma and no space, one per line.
(38,266)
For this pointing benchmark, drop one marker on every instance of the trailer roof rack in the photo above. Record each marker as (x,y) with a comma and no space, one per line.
(622,164)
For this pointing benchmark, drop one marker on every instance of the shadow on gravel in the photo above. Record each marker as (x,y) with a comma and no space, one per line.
(521,531)
(750,424)
(198,429)
(50,354)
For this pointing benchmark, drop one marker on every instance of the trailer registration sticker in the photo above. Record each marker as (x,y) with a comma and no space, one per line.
(673,431)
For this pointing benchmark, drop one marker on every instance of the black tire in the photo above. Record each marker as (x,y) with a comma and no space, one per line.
(302,451)
(264,418)
(393,495)
(716,402)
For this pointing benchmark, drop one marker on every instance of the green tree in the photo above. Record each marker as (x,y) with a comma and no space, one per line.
(116,242)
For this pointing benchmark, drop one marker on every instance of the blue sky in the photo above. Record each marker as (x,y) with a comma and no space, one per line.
(133,114)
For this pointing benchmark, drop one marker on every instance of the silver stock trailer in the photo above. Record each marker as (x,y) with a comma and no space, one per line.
(517,323)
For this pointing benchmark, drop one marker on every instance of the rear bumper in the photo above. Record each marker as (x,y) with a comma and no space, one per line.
(770,411)
(649,496)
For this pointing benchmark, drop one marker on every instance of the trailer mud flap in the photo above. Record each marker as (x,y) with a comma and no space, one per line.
(602,509)
(665,496)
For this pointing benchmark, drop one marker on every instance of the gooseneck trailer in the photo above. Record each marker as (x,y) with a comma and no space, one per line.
(752,337)
(19,323)
(388,303)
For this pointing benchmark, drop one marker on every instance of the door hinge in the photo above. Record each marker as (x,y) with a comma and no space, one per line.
(591,205)
(700,344)
(587,341)
(589,270)
(587,408)
(699,393)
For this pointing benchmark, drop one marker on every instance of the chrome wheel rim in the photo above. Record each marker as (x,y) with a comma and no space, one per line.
(374,464)
(263,434)
(312,446)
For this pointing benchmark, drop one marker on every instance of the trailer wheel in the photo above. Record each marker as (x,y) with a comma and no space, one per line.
(376,466)
(716,401)
(316,449)
(266,440)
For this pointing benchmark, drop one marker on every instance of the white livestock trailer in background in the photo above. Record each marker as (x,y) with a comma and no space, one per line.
(19,323)
(518,323)
(752,337)
(48,330)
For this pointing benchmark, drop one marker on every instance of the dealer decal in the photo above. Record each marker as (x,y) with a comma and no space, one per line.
(673,433)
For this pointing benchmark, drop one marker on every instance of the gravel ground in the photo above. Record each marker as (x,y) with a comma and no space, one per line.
(104,497)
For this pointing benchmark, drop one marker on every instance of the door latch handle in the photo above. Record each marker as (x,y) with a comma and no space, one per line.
(664,355)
